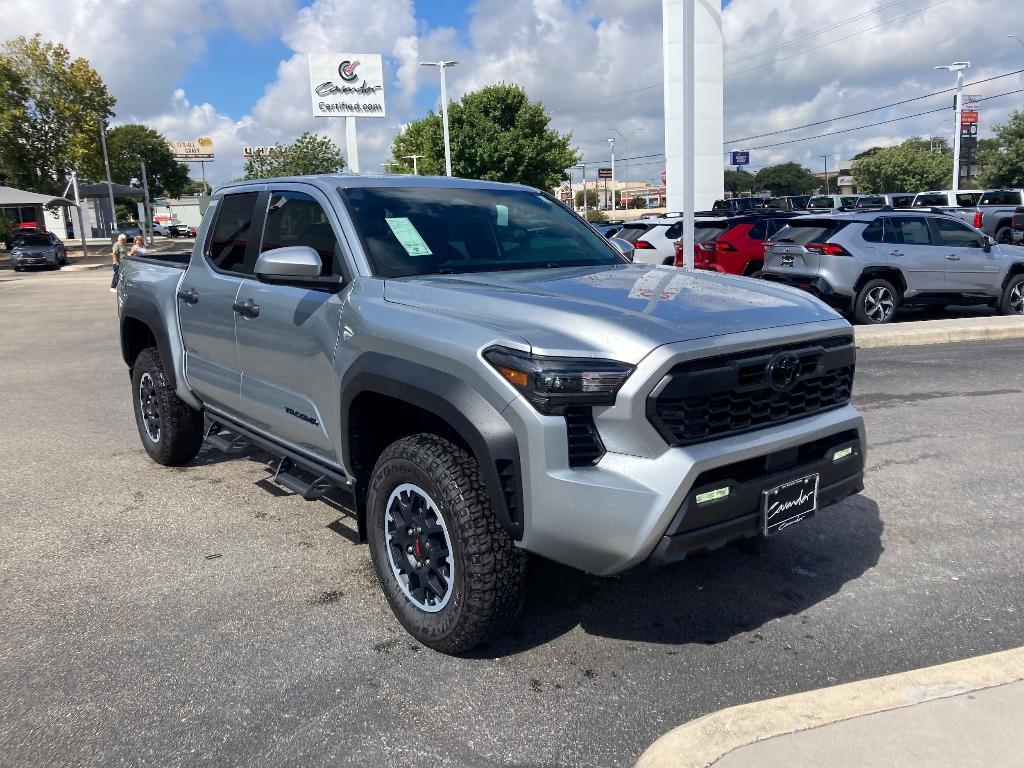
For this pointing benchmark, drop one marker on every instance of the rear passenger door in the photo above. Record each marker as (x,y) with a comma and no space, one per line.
(286,351)
(910,249)
(969,269)
(206,295)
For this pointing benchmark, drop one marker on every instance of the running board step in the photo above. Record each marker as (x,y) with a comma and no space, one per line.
(230,442)
(310,491)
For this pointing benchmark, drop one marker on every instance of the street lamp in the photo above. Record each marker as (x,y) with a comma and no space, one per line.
(442,66)
(415,167)
(615,207)
(625,140)
(958,67)
(1017,39)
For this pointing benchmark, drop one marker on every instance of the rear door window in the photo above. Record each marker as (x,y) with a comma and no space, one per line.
(803,231)
(870,200)
(967,199)
(849,202)
(873,232)
(1001,197)
(633,232)
(902,201)
(824,201)
(229,246)
(907,230)
(925,199)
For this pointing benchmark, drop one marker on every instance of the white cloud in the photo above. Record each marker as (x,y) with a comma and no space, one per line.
(596,64)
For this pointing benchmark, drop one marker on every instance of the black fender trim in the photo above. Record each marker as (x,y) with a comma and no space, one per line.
(486,432)
(146,312)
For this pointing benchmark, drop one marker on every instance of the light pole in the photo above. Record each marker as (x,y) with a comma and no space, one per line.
(584,167)
(1017,39)
(615,207)
(415,167)
(625,142)
(110,185)
(442,66)
(958,67)
(827,190)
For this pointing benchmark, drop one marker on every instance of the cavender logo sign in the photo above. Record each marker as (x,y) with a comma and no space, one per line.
(347,84)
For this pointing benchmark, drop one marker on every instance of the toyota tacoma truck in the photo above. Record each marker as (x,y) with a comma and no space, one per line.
(483,376)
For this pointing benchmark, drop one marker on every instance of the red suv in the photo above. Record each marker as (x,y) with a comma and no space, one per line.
(734,244)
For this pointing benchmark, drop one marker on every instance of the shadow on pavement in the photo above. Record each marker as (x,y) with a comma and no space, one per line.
(707,599)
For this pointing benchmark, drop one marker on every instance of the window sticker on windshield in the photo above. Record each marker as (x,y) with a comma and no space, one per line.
(409,236)
(502,215)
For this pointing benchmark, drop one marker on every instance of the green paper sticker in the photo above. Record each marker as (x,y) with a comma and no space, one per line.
(409,237)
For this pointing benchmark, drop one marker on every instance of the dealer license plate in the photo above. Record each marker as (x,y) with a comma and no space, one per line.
(789,504)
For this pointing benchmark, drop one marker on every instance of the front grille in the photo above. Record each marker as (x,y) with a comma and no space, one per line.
(585,446)
(727,395)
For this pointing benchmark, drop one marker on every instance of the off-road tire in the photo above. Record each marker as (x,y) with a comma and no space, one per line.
(1013,292)
(1004,236)
(861,312)
(488,585)
(180,426)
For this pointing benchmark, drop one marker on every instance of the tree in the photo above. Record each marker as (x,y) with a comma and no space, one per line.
(739,180)
(307,155)
(591,198)
(497,134)
(129,145)
(786,179)
(1005,161)
(909,167)
(50,108)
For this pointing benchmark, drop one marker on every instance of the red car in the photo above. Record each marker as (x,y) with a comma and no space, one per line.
(734,245)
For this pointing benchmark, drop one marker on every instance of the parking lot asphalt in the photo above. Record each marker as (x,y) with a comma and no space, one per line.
(201,616)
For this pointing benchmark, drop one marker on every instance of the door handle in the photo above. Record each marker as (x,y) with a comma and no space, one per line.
(953,257)
(189,296)
(247,308)
(895,253)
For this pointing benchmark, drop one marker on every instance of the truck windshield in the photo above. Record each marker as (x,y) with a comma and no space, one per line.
(446,230)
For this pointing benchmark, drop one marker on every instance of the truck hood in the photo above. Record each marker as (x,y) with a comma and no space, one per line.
(620,312)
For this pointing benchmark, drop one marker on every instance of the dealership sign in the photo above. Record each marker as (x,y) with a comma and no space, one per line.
(347,84)
(200,150)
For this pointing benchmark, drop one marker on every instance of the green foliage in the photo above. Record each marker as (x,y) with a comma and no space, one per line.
(129,145)
(5,229)
(637,202)
(50,108)
(591,198)
(910,167)
(497,134)
(739,180)
(595,215)
(1004,159)
(785,179)
(306,156)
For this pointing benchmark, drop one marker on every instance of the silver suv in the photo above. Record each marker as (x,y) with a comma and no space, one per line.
(869,264)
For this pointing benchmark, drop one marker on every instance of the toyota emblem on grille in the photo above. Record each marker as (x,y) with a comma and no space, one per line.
(783,371)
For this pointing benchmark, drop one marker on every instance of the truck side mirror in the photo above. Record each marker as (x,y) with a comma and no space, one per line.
(294,262)
(987,244)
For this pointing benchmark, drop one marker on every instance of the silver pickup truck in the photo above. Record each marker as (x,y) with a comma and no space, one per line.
(993,213)
(483,376)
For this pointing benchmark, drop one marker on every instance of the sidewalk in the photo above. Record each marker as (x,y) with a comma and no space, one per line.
(959,715)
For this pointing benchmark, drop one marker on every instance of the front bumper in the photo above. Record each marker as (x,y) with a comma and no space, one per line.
(816,285)
(33,260)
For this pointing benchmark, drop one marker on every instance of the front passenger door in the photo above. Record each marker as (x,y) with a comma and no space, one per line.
(969,268)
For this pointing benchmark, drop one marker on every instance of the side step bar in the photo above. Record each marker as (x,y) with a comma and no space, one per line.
(233,439)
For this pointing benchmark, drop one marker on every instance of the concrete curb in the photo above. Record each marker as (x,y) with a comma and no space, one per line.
(939,331)
(704,741)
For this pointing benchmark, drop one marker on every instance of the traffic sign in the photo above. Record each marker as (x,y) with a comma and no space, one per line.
(739,157)
(604,173)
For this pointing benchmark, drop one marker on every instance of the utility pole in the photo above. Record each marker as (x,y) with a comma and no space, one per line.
(442,66)
(827,190)
(110,184)
(584,167)
(415,167)
(81,218)
(147,225)
(958,103)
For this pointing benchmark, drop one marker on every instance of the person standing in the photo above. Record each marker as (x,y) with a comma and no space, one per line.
(138,247)
(120,251)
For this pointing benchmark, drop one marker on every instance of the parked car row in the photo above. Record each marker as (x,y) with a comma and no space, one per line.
(865,262)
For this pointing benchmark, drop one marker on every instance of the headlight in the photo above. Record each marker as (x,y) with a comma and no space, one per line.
(554,384)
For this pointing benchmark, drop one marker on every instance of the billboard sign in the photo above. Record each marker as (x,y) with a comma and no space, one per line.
(604,173)
(262,151)
(200,150)
(739,157)
(346,84)
(969,116)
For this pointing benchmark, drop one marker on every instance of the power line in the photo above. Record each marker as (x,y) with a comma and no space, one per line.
(833,42)
(873,109)
(817,32)
(881,122)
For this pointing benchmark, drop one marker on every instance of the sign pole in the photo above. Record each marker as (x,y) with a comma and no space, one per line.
(352,144)
(206,187)
(958,104)
(147,225)
(81,218)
